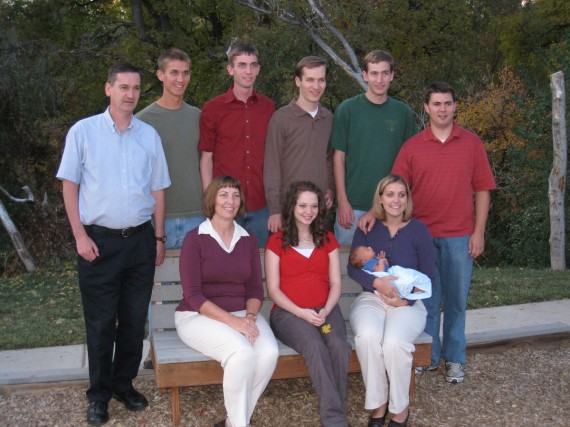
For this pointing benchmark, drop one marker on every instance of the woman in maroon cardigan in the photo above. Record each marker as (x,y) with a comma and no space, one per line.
(222,287)
(302,268)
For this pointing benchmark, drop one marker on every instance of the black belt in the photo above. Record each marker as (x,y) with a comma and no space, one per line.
(124,232)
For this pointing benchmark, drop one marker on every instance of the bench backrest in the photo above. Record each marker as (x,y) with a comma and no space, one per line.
(167,291)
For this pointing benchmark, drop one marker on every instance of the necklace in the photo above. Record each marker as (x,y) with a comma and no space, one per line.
(305,242)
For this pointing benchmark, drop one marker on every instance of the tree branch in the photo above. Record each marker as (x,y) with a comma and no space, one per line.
(26,189)
(273,8)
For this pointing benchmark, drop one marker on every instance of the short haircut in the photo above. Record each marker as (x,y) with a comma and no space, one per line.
(377,207)
(240,48)
(209,197)
(310,62)
(377,56)
(438,87)
(121,67)
(354,257)
(172,54)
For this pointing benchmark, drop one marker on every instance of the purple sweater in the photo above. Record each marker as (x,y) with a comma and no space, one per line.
(411,247)
(208,272)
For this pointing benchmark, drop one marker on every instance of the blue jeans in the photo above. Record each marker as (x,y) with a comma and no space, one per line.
(344,236)
(177,228)
(451,285)
(256,223)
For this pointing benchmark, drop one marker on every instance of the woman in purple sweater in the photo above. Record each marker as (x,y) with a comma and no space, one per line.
(385,325)
(220,270)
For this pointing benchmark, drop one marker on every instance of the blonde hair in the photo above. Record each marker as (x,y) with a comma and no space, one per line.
(377,207)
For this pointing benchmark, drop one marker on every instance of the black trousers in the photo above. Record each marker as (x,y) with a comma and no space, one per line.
(115,290)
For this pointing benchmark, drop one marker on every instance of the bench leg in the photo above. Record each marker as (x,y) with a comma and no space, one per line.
(175,391)
(413,386)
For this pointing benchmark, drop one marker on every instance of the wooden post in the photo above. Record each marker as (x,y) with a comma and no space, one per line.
(557,178)
(16,239)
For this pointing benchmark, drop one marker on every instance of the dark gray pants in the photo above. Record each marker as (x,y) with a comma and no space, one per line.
(326,357)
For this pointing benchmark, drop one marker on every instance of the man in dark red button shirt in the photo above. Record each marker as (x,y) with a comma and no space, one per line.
(233,127)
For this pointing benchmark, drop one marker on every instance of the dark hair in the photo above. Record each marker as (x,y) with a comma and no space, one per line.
(318,227)
(353,258)
(438,87)
(310,62)
(121,67)
(172,54)
(377,56)
(377,207)
(209,197)
(240,48)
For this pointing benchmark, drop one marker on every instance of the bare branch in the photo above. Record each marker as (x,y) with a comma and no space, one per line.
(26,189)
(274,8)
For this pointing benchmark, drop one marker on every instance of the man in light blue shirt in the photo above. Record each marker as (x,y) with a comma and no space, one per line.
(114,174)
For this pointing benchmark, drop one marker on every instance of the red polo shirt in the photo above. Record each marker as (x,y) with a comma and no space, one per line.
(443,177)
(235,132)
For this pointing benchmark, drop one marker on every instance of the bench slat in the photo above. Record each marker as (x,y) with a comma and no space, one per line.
(176,365)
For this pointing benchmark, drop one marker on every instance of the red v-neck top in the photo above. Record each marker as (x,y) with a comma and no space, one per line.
(304,280)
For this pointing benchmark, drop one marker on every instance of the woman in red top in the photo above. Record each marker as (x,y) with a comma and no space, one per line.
(302,267)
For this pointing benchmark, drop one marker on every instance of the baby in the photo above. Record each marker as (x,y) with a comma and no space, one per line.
(411,284)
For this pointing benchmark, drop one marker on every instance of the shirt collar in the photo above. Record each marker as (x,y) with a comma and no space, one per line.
(229,96)
(111,123)
(207,228)
(455,133)
(299,112)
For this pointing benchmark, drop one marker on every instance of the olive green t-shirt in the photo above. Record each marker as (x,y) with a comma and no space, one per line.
(179,132)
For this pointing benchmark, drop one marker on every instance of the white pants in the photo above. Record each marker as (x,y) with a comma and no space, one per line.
(247,368)
(384,337)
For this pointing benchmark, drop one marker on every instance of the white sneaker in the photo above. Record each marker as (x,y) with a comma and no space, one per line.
(454,372)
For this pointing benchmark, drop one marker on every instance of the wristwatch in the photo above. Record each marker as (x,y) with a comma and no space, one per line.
(160,239)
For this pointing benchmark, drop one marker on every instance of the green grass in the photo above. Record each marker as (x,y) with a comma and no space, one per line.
(493,287)
(43,308)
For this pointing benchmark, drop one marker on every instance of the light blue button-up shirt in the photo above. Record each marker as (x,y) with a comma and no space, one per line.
(116,172)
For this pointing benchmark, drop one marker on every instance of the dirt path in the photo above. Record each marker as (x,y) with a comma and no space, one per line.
(528,385)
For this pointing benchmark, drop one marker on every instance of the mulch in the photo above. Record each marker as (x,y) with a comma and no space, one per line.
(523,385)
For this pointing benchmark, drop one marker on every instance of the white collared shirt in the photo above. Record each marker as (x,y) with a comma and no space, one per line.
(207,228)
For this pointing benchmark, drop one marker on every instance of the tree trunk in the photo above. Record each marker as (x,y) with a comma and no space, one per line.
(16,238)
(138,20)
(557,178)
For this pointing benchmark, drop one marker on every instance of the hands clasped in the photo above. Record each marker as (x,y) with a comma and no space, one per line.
(247,327)
(313,317)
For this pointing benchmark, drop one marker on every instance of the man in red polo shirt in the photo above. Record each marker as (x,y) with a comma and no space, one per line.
(233,127)
(450,177)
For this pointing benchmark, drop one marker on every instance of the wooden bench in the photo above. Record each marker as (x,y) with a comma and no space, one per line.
(176,365)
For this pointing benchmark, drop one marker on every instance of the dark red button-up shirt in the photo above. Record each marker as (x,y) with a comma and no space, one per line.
(235,132)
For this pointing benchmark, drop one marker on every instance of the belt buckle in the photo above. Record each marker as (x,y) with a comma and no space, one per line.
(125,233)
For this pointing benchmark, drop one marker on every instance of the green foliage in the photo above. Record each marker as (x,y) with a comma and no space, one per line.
(54,55)
(538,37)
